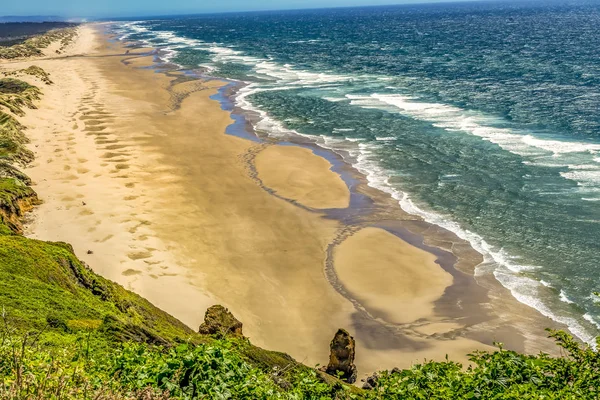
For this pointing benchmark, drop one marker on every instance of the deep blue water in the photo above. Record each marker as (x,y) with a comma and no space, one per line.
(482,117)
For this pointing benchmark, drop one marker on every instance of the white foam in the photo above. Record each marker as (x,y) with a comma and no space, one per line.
(591,319)
(343,129)
(564,298)
(585,178)
(334,99)
(526,290)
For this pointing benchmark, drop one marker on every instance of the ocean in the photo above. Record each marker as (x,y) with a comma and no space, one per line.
(483,118)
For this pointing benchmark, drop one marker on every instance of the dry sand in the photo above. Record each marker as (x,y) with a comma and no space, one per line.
(136,167)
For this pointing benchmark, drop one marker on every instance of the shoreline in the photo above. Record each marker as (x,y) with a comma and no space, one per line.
(376,208)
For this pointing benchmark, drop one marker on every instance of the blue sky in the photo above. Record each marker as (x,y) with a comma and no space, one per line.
(107,8)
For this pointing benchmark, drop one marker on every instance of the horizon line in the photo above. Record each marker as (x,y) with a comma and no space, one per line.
(193,13)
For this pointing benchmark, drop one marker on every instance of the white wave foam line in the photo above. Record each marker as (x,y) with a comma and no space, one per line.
(334,99)
(564,298)
(591,319)
(343,129)
(169,54)
(524,289)
(284,73)
(456,119)
(131,28)
(265,123)
(588,179)
(561,147)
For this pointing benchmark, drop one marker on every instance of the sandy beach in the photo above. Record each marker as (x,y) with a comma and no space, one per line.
(135,171)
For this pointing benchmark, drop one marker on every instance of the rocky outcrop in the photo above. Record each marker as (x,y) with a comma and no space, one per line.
(341,357)
(15,200)
(219,321)
(371,382)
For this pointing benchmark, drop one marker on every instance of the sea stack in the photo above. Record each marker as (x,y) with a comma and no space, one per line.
(341,357)
(218,320)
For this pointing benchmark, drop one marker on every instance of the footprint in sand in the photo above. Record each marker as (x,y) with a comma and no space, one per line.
(139,255)
(105,239)
(131,272)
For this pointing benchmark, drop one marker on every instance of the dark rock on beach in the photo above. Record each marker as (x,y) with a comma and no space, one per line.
(219,321)
(371,382)
(341,357)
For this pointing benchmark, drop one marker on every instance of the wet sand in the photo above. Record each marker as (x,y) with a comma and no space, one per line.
(389,277)
(136,171)
(302,176)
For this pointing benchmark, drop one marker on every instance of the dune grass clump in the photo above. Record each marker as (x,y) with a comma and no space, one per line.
(16,94)
(32,70)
